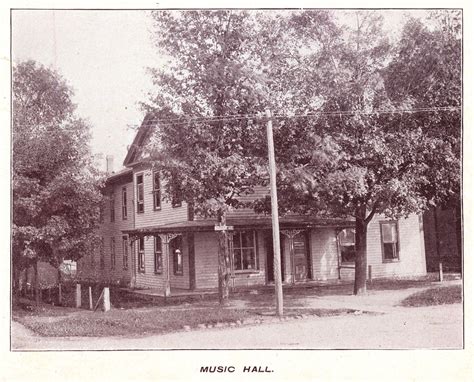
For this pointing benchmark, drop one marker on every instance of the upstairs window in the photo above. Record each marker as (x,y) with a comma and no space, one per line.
(112,253)
(124,203)
(245,251)
(390,242)
(140,195)
(156,191)
(176,192)
(347,245)
(112,207)
(125,252)
(141,255)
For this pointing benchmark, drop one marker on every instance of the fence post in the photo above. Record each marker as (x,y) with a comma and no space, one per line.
(106,306)
(78,296)
(440,272)
(90,298)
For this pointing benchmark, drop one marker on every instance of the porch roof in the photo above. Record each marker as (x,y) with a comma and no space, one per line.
(261,223)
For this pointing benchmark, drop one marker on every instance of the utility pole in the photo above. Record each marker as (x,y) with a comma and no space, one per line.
(275,223)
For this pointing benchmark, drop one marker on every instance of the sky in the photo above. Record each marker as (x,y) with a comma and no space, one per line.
(103,55)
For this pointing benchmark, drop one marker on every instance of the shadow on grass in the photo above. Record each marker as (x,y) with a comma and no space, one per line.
(434,296)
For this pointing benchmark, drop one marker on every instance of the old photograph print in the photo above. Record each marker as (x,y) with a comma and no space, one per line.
(236,179)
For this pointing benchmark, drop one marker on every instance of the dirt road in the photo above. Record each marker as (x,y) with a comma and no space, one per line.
(436,327)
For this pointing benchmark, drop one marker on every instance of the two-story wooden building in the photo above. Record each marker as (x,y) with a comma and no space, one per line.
(148,242)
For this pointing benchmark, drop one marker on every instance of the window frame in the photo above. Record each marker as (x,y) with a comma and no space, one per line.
(124,203)
(176,193)
(141,255)
(156,191)
(397,243)
(158,255)
(112,253)
(140,202)
(125,252)
(112,206)
(341,246)
(177,244)
(254,247)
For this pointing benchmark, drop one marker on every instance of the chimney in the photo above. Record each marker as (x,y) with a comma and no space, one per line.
(109,167)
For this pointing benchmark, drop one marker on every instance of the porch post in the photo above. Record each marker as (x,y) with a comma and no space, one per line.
(338,250)
(133,268)
(165,239)
(191,260)
(290,234)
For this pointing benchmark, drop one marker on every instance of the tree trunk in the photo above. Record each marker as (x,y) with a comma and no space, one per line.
(15,280)
(37,284)
(223,262)
(360,282)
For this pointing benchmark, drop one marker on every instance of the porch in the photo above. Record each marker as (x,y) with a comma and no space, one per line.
(186,254)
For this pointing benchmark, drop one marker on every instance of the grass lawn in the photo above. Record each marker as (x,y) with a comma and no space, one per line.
(127,322)
(434,296)
(68,322)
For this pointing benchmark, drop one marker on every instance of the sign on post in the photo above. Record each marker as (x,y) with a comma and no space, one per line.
(223,228)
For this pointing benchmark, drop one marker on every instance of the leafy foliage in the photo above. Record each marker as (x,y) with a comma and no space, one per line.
(55,186)
(215,70)
(356,155)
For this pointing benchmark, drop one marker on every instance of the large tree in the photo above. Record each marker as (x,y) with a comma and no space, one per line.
(343,147)
(55,186)
(222,68)
(359,155)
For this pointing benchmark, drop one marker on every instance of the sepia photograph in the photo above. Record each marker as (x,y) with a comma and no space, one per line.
(236,178)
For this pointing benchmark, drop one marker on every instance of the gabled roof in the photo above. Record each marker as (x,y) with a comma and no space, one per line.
(143,133)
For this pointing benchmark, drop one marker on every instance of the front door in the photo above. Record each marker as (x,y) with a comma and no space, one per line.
(300,257)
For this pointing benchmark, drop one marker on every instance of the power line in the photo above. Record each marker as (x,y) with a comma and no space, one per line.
(233,117)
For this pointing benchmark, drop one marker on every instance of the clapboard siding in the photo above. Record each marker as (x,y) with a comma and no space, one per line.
(412,257)
(148,278)
(151,217)
(412,253)
(244,213)
(89,268)
(205,249)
